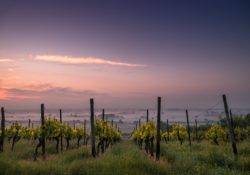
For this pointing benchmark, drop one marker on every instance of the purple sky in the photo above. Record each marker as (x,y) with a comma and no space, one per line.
(124,53)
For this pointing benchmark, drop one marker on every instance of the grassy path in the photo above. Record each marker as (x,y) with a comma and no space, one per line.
(125,158)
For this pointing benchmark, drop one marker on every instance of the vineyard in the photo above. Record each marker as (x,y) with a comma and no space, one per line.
(56,147)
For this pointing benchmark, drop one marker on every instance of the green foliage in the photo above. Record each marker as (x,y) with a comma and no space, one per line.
(14,130)
(146,133)
(52,129)
(26,133)
(179,132)
(241,133)
(79,133)
(147,130)
(104,130)
(215,134)
(67,131)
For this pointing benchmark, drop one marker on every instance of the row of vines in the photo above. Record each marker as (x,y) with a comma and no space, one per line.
(57,133)
(145,134)
(228,129)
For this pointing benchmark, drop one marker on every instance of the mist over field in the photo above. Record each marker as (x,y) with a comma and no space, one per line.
(124,87)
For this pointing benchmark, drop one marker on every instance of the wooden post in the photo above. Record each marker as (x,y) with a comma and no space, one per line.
(147,115)
(2,130)
(168,129)
(158,136)
(112,123)
(29,123)
(232,123)
(92,122)
(232,138)
(61,139)
(103,114)
(85,132)
(188,128)
(42,125)
(231,118)
(136,126)
(102,141)
(196,130)
(139,122)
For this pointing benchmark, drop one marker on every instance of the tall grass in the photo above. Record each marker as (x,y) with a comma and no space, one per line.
(126,158)
(123,158)
(206,158)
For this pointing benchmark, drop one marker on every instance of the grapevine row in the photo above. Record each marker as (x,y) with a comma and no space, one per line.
(145,134)
(53,130)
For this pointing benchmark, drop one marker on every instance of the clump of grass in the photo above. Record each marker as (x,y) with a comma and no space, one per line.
(215,158)
(168,154)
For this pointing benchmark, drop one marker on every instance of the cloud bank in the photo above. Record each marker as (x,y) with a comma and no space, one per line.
(4,60)
(83,60)
(48,92)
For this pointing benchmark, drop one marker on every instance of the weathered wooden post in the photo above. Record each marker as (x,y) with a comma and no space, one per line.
(92,122)
(188,128)
(139,123)
(2,130)
(61,139)
(85,132)
(102,141)
(29,123)
(103,114)
(42,126)
(232,122)
(158,136)
(112,123)
(196,130)
(231,118)
(147,116)
(232,138)
(168,129)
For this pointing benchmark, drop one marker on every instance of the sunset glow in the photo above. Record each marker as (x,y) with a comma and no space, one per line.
(123,54)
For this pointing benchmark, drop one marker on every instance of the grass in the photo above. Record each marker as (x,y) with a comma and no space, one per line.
(126,158)
(206,158)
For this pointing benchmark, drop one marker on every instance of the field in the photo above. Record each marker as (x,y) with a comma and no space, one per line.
(126,157)
(151,148)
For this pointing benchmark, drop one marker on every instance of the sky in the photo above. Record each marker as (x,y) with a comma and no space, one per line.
(124,53)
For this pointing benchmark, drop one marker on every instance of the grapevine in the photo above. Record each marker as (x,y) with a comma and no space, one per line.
(145,133)
(106,134)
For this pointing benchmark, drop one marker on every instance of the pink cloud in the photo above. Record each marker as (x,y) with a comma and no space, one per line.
(83,60)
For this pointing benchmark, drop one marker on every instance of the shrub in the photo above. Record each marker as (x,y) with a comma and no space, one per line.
(215,134)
